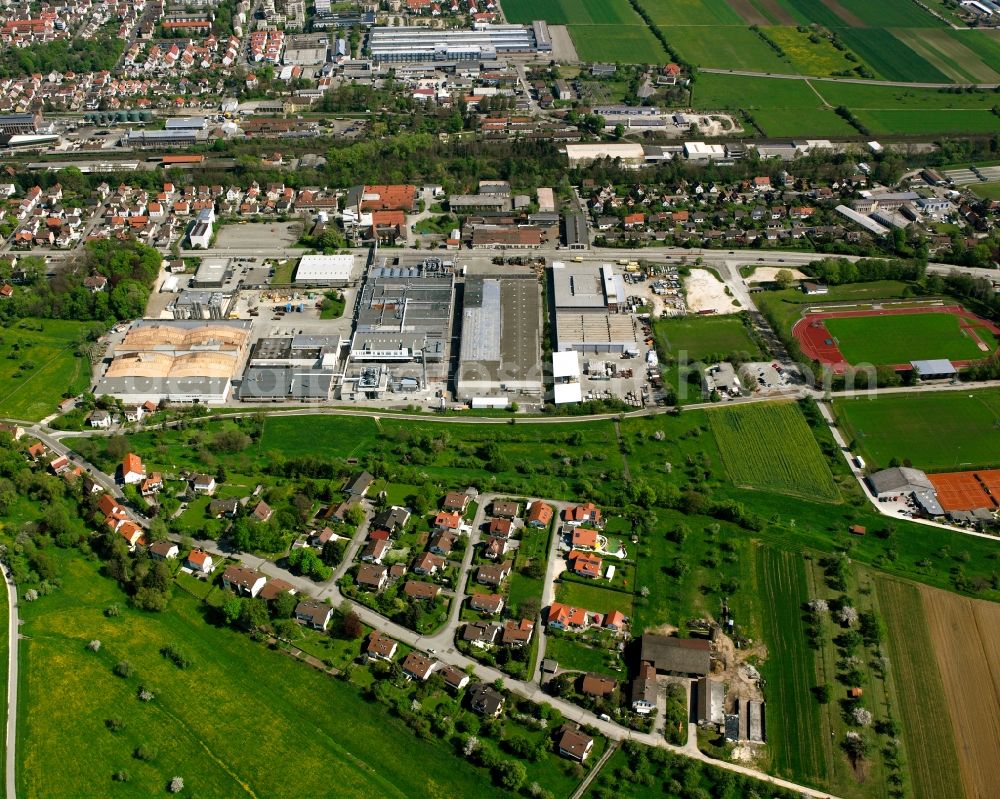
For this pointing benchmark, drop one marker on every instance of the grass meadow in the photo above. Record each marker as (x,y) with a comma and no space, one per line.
(242,721)
(38,365)
(770,447)
(935,431)
(899,339)
(593,597)
(700,337)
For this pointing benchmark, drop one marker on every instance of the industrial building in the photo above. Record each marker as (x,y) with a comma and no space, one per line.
(298,368)
(213,273)
(482,43)
(324,270)
(201,305)
(403,320)
(566,386)
(628,153)
(20,124)
(163,138)
(575,235)
(587,300)
(180,361)
(500,353)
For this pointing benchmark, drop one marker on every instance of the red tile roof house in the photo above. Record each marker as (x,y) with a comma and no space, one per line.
(574,744)
(584,538)
(374,551)
(487,603)
(200,561)
(616,621)
(380,647)
(151,485)
(585,564)
(419,667)
(583,514)
(563,617)
(539,515)
(243,580)
(448,520)
(596,685)
(132,534)
(262,512)
(313,613)
(274,588)
(634,221)
(517,633)
(421,592)
(501,527)
(132,469)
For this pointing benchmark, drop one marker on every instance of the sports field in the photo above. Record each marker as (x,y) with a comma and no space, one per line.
(770,447)
(38,363)
(899,339)
(935,431)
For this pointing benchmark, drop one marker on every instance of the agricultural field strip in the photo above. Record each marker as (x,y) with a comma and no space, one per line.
(770,446)
(919,691)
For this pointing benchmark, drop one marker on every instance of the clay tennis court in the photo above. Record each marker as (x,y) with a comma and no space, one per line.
(819,344)
(967,490)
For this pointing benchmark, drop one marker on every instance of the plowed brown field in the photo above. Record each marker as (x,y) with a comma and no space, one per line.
(966,638)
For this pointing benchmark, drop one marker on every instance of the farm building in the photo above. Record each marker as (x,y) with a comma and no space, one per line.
(710,702)
(934,369)
(904,481)
(679,656)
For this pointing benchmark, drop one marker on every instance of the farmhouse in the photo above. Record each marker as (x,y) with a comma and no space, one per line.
(677,656)
(643,695)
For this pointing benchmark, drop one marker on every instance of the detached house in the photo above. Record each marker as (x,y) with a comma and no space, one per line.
(200,561)
(493,574)
(417,666)
(313,613)
(132,469)
(539,515)
(164,550)
(372,577)
(380,647)
(487,603)
(573,743)
(583,514)
(243,580)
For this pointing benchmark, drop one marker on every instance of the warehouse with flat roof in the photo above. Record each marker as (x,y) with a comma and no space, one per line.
(500,351)
(482,43)
(324,270)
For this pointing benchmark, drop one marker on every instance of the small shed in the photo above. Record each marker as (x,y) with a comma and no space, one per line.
(857,529)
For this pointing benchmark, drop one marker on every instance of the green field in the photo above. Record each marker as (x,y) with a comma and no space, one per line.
(47,347)
(242,721)
(920,698)
(726,48)
(770,447)
(794,729)
(943,431)
(931,121)
(679,13)
(593,597)
(987,191)
(701,337)
(601,31)
(575,655)
(891,340)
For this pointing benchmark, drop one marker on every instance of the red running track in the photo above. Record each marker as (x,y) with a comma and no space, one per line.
(813,336)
